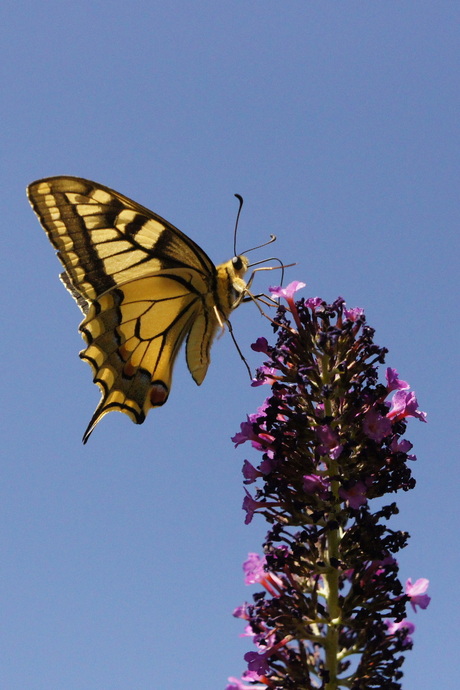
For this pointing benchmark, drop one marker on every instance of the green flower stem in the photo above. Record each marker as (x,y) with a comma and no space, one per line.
(331,584)
(331,576)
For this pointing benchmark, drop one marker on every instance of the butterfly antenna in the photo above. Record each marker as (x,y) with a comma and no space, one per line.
(272,237)
(240,200)
(270,241)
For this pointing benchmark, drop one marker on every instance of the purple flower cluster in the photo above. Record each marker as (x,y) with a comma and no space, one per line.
(332,610)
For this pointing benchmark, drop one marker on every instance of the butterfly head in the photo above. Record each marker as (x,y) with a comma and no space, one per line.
(239,265)
(231,286)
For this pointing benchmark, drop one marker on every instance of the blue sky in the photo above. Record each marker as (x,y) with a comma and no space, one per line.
(338,123)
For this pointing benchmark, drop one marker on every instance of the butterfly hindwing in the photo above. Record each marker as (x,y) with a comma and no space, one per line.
(143,286)
(133,341)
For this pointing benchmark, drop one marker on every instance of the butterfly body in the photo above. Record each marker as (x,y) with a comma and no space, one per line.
(143,286)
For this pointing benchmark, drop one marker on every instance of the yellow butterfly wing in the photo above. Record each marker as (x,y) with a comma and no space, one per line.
(143,286)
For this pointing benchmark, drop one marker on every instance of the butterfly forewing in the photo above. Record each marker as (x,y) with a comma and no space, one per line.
(143,285)
(104,238)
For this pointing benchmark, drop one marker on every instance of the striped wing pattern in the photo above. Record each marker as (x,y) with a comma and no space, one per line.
(104,239)
(144,288)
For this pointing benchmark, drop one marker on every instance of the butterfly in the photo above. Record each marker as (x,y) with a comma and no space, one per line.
(144,288)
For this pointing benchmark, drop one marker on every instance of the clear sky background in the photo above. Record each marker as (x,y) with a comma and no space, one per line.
(120,561)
